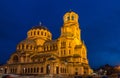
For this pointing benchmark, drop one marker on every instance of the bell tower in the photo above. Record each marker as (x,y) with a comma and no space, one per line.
(70,28)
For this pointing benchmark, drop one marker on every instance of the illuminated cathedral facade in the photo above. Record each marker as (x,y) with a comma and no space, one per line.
(38,54)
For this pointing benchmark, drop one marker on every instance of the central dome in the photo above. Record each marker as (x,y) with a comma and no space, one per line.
(39,31)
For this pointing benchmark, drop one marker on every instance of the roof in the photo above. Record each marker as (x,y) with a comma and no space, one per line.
(28,41)
(40,27)
(50,42)
(71,12)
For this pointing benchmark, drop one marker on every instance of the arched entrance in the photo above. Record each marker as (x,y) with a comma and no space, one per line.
(57,70)
(76,71)
(5,71)
(48,69)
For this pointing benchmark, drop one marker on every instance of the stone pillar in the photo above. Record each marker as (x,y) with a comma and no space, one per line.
(19,69)
(81,71)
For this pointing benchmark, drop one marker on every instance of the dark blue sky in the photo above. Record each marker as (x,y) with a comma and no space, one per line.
(99,21)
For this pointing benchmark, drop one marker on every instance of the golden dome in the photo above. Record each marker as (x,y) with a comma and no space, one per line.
(39,31)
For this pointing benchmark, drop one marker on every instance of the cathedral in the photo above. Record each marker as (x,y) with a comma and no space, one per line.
(38,54)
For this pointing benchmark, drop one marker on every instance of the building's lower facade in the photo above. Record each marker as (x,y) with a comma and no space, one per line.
(38,54)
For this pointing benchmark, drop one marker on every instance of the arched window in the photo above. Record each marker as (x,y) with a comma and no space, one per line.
(38,32)
(34,32)
(25,70)
(31,70)
(61,52)
(31,33)
(22,46)
(15,58)
(72,17)
(37,69)
(28,70)
(34,70)
(19,46)
(45,33)
(69,51)
(41,69)
(68,18)
(50,47)
(31,47)
(26,46)
(61,70)
(64,52)
(41,32)
(44,48)
(53,47)
(11,70)
(47,48)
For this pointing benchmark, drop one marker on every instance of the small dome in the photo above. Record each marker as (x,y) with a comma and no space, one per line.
(39,31)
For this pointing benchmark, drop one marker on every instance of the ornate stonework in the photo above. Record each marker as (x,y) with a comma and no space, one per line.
(39,54)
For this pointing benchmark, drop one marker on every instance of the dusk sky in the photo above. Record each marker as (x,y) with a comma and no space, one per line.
(99,21)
